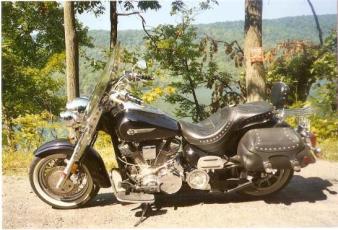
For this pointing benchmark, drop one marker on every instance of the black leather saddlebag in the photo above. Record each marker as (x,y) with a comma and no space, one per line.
(272,148)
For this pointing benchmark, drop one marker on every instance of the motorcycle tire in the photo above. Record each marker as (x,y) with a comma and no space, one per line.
(45,172)
(272,185)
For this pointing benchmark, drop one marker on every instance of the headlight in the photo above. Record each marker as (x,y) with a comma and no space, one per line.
(69,117)
(79,104)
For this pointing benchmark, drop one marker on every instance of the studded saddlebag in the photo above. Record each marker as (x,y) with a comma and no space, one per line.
(272,148)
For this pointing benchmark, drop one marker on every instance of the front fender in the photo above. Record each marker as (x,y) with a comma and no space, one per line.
(91,159)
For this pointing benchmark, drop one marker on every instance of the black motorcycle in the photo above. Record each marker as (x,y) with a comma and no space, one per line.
(247,148)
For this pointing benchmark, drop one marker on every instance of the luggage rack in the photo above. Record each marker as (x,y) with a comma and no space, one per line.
(301,115)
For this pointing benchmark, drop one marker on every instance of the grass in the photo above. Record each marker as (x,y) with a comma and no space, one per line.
(17,163)
(329,149)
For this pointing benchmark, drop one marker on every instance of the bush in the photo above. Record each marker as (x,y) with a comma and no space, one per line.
(31,130)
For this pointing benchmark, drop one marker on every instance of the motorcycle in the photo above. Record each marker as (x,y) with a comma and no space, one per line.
(247,148)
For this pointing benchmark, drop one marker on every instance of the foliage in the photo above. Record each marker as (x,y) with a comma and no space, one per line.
(86,6)
(329,149)
(34,129)
(142,5)
(15,162)
(301,64)
(324,127)
(30,89)
(157,92)
(32,59)
(190,65)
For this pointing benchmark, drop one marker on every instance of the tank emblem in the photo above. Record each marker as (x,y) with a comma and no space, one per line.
(137,131)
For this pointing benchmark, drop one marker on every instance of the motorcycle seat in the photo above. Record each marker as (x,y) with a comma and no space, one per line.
(207,134)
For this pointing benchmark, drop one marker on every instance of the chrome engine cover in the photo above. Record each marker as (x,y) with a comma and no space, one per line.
(198,179)
(155,171)
(170,183)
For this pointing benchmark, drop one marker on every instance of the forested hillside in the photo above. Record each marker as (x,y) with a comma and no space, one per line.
(274,30)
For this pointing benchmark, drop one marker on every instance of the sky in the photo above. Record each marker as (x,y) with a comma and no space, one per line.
(227,10)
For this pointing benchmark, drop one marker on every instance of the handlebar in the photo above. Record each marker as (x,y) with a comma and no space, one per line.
(118,93)
(122,97)
(132,76)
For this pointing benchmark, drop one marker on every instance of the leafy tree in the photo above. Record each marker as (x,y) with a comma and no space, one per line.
(32,59)
(303,65)
(190,65)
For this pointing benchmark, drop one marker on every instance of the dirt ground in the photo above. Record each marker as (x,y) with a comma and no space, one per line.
(310,200)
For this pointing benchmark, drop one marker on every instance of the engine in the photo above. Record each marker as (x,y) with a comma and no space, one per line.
(153,166)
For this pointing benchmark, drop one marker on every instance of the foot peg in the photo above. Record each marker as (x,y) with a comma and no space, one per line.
(135,197)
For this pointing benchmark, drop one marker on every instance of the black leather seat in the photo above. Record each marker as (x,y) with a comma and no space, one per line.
(210,133)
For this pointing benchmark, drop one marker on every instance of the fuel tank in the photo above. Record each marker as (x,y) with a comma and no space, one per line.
(140,125)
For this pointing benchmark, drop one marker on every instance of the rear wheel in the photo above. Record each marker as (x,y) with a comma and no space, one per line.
(267,184)
(44,174)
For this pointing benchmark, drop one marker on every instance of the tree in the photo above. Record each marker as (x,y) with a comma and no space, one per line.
(113,24)
(32,60)
(190,65)
(72,52)
(304,67)
(254,69)
(129,7)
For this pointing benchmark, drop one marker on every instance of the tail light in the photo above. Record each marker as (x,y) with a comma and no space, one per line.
(313,140)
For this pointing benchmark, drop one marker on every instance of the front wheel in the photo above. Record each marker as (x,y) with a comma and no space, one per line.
(44,174)
(267,184)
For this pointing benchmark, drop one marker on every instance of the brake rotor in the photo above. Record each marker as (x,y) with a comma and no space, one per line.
(52,178)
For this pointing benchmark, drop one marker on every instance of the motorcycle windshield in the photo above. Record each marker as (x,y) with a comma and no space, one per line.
(109,73)
(93,111)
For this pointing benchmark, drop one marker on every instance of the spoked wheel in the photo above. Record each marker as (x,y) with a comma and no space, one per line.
(267,184)
(45,173)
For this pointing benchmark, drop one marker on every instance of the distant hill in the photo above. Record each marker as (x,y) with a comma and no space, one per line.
(274,31)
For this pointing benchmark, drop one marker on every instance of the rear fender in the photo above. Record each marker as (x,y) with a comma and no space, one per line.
(91,159)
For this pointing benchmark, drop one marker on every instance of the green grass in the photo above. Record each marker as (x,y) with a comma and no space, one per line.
(329,149)
(17,163)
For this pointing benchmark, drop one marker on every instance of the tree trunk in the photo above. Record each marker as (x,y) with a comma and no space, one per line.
(337,70)
(254,70)
(8,130)
(320,34)
(72,51)
(113,24)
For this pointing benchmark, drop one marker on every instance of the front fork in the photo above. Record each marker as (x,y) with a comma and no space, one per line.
(76,156)
(86,138)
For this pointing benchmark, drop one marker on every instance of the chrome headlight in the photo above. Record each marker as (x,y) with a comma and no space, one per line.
(79,104)
(69,117)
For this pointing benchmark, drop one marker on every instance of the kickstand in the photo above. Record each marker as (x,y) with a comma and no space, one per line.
(144,207)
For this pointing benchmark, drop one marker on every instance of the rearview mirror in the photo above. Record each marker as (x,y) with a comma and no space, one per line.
(141,64)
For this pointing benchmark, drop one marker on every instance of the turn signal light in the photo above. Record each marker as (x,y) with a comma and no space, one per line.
(313,140)
(308,160)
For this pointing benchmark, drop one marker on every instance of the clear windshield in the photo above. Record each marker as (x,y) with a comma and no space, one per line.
(93,110)
(109,73)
